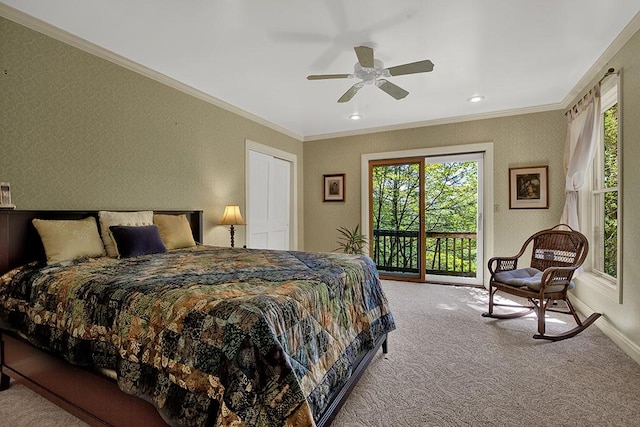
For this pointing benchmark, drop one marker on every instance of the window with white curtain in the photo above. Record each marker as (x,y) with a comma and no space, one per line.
(602,207)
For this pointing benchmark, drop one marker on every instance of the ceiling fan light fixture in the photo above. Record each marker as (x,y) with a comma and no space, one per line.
(370,71)
(476,98)
(355,116)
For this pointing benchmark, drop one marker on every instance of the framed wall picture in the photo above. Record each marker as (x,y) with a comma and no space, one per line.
(529,188)
(333,188)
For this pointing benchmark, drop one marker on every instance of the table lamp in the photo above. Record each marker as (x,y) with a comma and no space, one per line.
(232,216)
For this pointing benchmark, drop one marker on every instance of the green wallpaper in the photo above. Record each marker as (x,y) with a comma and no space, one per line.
(80,132)
(524,140)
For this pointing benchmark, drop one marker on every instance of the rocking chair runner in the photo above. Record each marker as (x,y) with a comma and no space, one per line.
(555,255)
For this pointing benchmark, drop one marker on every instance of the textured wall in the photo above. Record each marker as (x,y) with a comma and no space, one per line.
(625,317)
(524,140)
(79,132)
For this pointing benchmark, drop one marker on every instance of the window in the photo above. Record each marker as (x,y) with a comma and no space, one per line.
(604,197)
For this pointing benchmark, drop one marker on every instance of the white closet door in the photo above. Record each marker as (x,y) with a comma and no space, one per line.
(258,215)
(270,199)
(279,202)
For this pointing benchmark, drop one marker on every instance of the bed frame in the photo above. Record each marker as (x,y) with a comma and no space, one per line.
(88,395)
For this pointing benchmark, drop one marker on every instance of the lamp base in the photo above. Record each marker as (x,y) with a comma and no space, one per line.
(232,231)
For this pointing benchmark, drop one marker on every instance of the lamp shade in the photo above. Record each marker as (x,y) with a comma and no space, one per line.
(232,216)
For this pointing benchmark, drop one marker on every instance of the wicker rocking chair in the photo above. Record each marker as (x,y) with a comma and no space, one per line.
(555,255)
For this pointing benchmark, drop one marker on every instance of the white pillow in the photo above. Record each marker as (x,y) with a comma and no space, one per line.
(109,218)
(69,239)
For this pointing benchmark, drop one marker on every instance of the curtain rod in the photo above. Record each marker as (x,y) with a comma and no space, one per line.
(609,72)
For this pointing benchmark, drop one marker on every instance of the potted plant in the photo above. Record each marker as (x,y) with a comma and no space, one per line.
(351,241)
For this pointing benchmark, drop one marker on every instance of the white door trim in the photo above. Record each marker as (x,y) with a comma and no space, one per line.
(487,214)
(293,211)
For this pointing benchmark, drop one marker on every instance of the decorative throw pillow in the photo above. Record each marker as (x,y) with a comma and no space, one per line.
(65,240)
(109,218)
(175,231)
(135,241)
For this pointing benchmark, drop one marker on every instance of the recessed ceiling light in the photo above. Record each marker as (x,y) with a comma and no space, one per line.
(476,98)
(355,116)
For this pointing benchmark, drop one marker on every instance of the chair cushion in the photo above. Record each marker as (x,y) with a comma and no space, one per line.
(529,277)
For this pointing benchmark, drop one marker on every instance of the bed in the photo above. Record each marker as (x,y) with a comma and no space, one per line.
(195,336)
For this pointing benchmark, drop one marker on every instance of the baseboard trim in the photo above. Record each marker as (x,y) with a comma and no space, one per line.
(628,346)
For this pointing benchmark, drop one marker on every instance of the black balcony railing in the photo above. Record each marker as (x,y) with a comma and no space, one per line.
(447,253)
(396,250)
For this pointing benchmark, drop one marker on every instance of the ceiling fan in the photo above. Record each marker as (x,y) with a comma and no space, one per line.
(371,71)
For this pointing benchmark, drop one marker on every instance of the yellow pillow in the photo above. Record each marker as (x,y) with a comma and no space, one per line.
(175,231)
(69,239)
(109,218)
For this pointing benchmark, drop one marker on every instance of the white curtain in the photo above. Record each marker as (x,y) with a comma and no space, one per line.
(583,130)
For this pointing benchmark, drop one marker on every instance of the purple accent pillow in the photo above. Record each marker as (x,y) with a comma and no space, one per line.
(137,240)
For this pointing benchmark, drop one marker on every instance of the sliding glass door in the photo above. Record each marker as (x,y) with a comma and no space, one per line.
(425,218)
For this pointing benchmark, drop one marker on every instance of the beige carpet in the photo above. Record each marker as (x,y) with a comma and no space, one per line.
(20,407)
(448,366)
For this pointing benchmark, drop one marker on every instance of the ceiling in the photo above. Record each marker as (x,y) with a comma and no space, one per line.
(253,56)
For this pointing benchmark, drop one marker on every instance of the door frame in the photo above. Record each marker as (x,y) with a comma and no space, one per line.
(487,182)
(293,199)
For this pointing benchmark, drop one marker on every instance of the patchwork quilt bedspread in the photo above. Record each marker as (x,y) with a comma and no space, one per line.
(211,336)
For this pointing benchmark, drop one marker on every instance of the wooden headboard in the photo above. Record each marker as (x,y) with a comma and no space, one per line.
(20,242)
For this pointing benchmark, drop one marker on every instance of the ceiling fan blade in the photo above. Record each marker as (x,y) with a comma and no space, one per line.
(328,76)
(352,91)
(412,68)
(396,91)
(365,56)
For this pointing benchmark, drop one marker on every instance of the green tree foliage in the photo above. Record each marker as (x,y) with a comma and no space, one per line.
(451,196)
(611,198)
(396,197)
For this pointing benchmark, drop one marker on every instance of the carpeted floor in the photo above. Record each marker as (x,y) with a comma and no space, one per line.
(20,407)
(448,366)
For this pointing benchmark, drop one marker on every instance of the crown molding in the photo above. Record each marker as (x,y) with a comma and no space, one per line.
(93,49)
(435,122)
(594,72)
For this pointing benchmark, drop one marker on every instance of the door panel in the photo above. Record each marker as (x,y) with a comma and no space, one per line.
(258,214)
(259,240)
(270,199)
(396,224)
(453,223)
(279,202)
